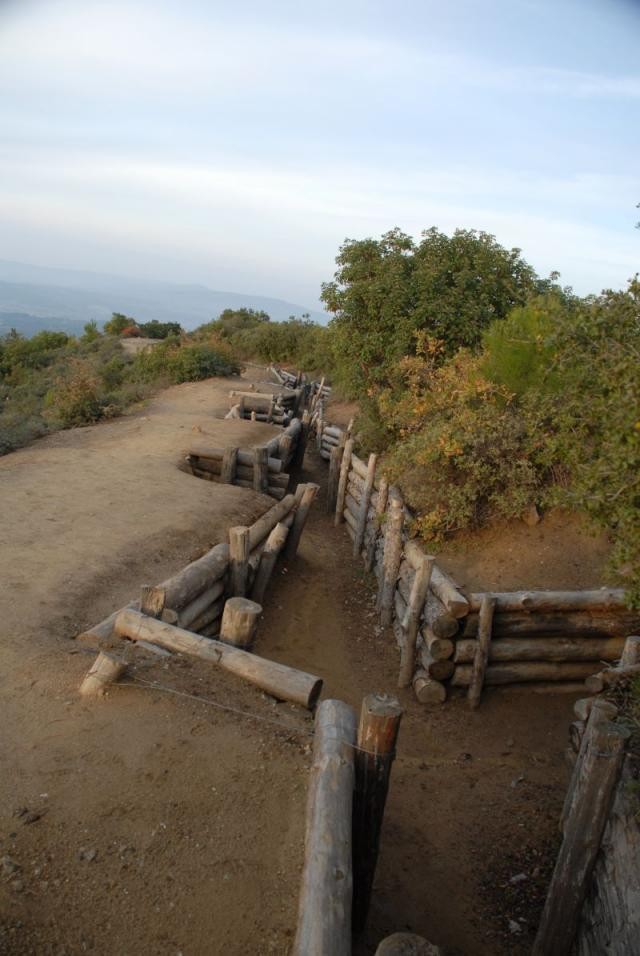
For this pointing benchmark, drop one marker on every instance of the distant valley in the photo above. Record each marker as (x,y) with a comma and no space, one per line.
(34,298)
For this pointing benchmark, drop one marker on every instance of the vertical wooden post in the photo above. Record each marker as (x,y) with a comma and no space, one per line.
(253,416)
(381,507)
(324,907)
(377,735)
(334,473)
(342,482)
(320,424)
(285,448)
(270,411)
(268,558)
(411,622)
(392,555)
(241,407)
(600,712)
(239,550)
(630,652)
(228,469)
(485,625)
(599,771)
(299,521)
(350,427)
(364,505)
(261,468)
(240,622)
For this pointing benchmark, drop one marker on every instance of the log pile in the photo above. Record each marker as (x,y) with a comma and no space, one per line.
(545,640)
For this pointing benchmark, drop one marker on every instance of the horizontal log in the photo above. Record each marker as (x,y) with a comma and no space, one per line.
(273,490)
(445,589)
(359,466)
(324,454)
(333,431)
(585,623)
(187,584)
(281,681)
(208,616)
(350,519)
(440,648)
(280,480)
(609,677)
(556,648)
(522,672)
(245,457)
(259,530)
(330,440)
(194,609)
(351,504)
(603,599)
(427,690)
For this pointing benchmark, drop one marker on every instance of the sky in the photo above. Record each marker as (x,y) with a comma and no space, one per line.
(237,144)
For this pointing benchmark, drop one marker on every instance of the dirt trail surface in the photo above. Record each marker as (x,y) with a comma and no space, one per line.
(155,822)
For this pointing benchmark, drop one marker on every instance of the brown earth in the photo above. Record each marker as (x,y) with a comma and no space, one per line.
(157,822)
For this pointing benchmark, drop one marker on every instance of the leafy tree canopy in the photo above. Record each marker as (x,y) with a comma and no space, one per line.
(118,323)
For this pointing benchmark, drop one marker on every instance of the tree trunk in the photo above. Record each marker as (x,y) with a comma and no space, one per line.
(106,669)
(240,622)
(544,649)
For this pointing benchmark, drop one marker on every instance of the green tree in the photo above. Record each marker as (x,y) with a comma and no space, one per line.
(91,331)
(118,323)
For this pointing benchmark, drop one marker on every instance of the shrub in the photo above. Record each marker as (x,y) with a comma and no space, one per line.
(75,400)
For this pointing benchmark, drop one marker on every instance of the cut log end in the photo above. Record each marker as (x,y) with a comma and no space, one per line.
(105,670)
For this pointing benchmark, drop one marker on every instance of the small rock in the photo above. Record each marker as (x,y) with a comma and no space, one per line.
(531,516)
(514,927)
(514,783)
(518,878)
(17,886)
(9,866)
(88,854)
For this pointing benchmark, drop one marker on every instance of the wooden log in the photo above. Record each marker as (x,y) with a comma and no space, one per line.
(518,672)
(351,505)
(324,454)
(377,735)
(440,648)
(604,599)
(596,683)
(239,550)
(151,600)
(244,457)
(106,669)
(407,944)
(599,770)
(302,513)
(324,907)
(286,448)
(261,468)
(240,622)
(276,481)
(333,431)
(228,469)
(342,481)
(427,690)
(273,491)
(268,558)
(350,519)
(411,622)
(361,520)
(380,508)
(576,732)
(437,619)
(481,656)
(582,708)
(281,681)
(630,652)
(583,623)
(234,412)
(329,439)
(102,632)
(544,649)
(436,668)
(445,589)
(253,417)
(259,530)
(210,614)
(192,611)
(542,688)
(320,425)
(184,586)
(335,460)
(392,555)
(359,467)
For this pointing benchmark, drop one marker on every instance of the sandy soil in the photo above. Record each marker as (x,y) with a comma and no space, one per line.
(154,822)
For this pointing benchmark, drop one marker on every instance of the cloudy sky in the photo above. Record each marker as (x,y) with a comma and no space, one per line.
(238,143)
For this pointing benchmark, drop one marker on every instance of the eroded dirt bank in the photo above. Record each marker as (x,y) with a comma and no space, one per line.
(163,824)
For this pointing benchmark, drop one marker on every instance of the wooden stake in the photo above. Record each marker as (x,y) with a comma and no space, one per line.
(273,547)
(598,772)
(381,507)
(411,621)
(377,734)
(261,469)
(482,651)
(106,669)
(392,555)
(228,470)
(240,622)
(253,416)
(302,513)
(335,462)
(364,505)
(239,551)
(324,909)
(342,482)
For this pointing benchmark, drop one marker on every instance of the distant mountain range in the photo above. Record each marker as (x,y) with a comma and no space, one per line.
(33,298)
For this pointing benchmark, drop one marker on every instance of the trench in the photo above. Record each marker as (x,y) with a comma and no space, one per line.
(475,796)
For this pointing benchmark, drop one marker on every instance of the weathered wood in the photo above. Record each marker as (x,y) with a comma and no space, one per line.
(411,622)
(281,681)
(192,611)
(440,648)
(445,589)
(335,461)
(207,617)
(151,600)
(392,555)
(630,652)
(184,586)
(438,668)
(350,519)
(582,707)
(234,412)
(481,656)
(268,558)
(342,481)
(324,907)
(576,732)
(544,649)
(361,519)
(106,669)
(604,599)
(239,550)
(333,431)
(240,622)
(244,456)
(259,530)
(104,630)
(428,690)
(598,770)
(377,735)
(518,672)
(301,515)
(407,944)
(261,468)
(229,461)
(596,683)
(380,508)
(582,623)
(438,618)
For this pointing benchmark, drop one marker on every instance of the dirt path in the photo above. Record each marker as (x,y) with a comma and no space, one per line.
(162,824)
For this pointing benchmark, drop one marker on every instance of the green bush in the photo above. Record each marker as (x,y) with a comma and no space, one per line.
(75,400)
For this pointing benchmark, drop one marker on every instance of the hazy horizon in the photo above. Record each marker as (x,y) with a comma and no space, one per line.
(237,147)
